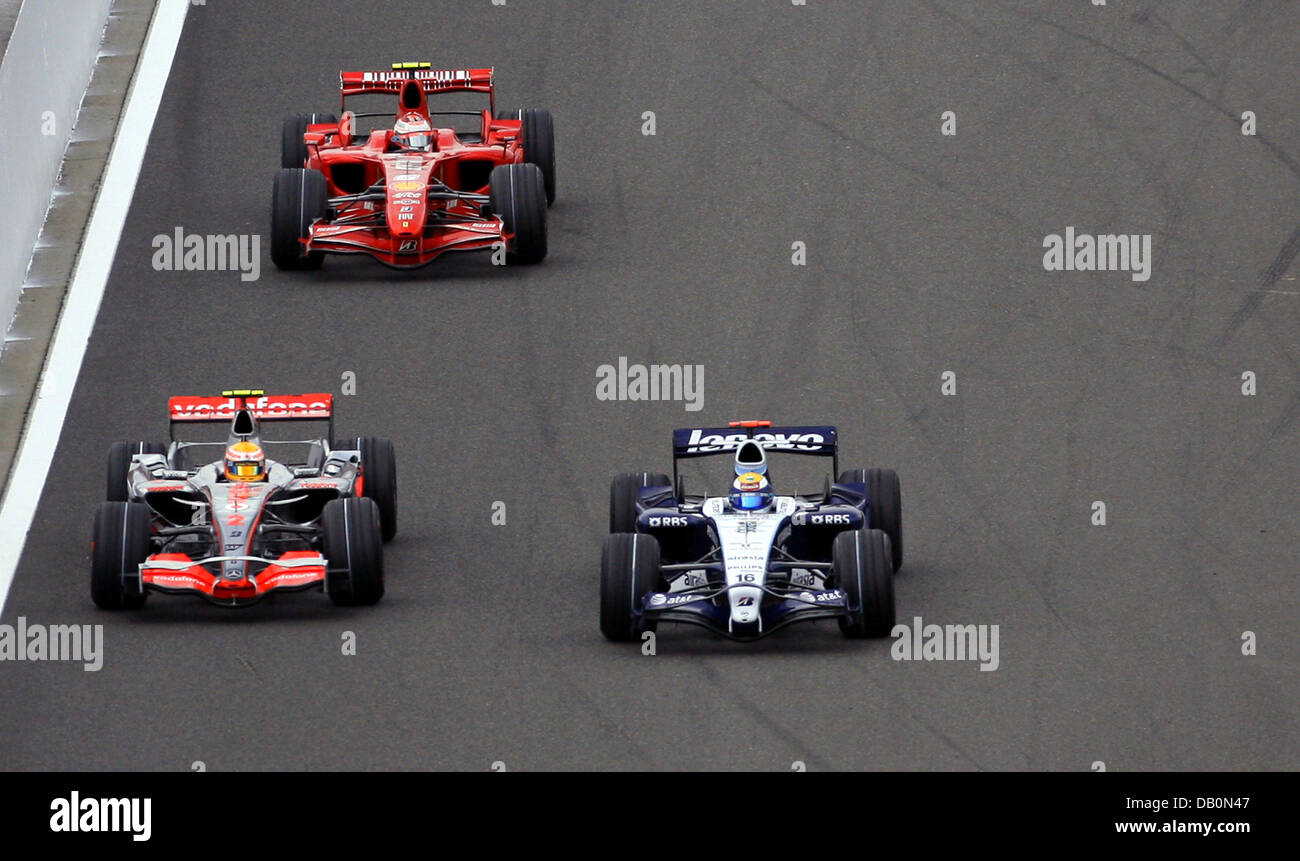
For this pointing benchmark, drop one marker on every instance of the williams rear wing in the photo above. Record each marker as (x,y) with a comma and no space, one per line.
(816,440)
(222,409)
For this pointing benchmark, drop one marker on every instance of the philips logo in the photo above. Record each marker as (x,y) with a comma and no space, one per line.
(656,522)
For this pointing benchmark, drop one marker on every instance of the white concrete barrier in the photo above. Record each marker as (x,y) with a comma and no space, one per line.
(43,77)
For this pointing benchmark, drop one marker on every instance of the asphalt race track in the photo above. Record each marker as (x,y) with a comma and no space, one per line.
(775,123)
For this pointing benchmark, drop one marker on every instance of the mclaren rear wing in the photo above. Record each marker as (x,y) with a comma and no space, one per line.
(815,440)
(222,409)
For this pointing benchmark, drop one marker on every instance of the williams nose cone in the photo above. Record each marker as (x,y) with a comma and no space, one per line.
(750,458)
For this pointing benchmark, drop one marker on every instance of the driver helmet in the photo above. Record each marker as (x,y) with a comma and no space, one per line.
(751,492)
(245,461)
(413,132)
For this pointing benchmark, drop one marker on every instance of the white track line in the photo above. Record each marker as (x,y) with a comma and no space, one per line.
(86,290)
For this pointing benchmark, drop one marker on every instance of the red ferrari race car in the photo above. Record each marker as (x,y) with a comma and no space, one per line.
(412,189)
(222,521)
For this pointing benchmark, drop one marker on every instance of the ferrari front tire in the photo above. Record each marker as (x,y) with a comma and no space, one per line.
(629,570)
(298,198)
(517,193)
(352,543)
(863,568)
(119,543)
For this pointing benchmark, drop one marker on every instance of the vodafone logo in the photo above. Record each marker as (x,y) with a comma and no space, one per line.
(264,407)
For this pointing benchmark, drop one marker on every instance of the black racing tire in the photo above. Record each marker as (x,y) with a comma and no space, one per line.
(622,497)
(298,198)
(119,465)
(884,505)
(517,193)
(861,562)
(119,543)
(378,476)
(293,150)
(352,541)
(629,568)
(539,142)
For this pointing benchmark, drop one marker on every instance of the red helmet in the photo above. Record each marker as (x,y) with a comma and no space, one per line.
(413,132)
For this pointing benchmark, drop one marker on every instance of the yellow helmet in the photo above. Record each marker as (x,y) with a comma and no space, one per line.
(245,461)
(751,492)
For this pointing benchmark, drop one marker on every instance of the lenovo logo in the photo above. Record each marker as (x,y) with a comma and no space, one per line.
(702,442)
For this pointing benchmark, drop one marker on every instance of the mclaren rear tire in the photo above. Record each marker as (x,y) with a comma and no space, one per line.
(119,466)
(378,476)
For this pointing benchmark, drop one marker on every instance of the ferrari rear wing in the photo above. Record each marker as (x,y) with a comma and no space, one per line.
(190,409)
(431,81)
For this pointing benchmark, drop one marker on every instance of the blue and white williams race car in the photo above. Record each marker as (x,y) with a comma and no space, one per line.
(748,563)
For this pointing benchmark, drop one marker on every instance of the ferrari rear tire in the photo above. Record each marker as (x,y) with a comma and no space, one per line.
(884,505)
(352,542)
(517,193)
(119,466)
(539,143)
(298,198)
(119,543)
(623,491)
(861,562)
(629,569)
(293,151)
(379,476)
